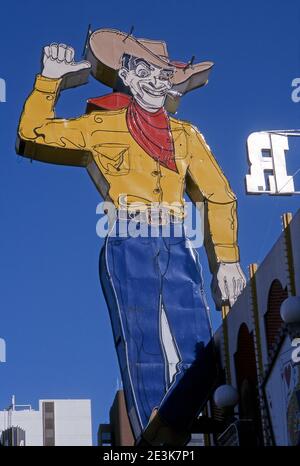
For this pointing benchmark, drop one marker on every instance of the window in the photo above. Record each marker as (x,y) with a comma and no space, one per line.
(48,423)
(273,321)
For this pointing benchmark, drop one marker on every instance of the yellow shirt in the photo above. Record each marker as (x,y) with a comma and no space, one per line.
(101,142)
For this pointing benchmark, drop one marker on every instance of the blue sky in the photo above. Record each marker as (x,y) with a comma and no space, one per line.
(53,315)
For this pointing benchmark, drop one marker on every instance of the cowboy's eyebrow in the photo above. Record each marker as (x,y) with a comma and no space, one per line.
(167,70)
(151,67)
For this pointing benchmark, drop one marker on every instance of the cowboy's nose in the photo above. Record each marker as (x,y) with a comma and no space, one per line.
(153,82)
(157,82)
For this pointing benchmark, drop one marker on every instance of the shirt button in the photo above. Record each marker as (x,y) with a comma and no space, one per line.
(157,191)
(155,173)
(98,119)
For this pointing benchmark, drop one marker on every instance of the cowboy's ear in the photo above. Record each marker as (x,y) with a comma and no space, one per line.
(123,73)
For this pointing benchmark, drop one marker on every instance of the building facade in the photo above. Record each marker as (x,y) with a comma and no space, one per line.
(256,347)
(118,432)
(55,423)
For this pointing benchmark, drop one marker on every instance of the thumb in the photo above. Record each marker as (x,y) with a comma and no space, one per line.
(82,65)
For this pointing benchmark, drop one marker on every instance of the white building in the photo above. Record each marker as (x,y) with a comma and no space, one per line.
(55,423)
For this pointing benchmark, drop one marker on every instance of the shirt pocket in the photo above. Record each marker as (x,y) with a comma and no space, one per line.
(112,158)
(179,138)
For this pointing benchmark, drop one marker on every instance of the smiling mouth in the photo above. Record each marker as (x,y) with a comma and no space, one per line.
(155,92)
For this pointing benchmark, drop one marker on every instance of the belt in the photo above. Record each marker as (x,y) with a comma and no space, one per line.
(155,217)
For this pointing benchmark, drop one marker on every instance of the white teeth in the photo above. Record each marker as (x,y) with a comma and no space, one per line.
(153,92)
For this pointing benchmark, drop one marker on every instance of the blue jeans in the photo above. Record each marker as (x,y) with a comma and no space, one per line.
(139,277)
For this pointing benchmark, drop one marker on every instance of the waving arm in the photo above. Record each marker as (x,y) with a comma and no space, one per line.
(41,136)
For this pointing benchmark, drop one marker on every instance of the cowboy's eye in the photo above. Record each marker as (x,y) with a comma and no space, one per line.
(142,72)
(165,75)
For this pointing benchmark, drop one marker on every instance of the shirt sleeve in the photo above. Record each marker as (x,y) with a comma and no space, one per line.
(43,137)
(207,183)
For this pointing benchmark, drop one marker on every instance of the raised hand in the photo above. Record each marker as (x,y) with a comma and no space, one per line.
(58,62)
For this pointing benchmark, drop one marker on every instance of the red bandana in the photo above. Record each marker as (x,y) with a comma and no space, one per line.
(150,130)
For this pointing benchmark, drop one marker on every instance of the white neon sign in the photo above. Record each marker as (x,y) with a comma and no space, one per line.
(267,161)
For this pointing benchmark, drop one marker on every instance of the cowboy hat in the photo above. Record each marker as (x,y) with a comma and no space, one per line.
(106,47)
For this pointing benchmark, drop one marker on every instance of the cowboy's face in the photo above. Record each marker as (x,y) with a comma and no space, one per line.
(149,84)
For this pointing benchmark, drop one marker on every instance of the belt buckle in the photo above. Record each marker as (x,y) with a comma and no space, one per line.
(157,217)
